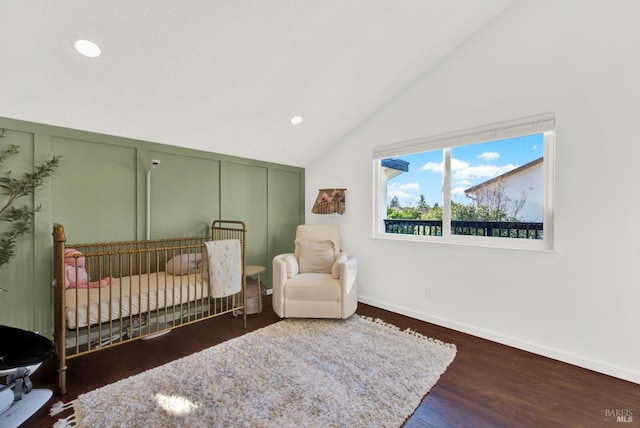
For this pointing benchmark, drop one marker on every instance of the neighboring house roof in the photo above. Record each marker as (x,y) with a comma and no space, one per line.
(400,165)
(505,175)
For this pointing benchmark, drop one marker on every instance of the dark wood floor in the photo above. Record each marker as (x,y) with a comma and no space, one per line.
(487,385)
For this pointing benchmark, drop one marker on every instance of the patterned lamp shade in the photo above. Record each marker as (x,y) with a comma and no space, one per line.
(329,201)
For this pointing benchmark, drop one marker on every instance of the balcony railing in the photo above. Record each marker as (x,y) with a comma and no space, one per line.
(498,229)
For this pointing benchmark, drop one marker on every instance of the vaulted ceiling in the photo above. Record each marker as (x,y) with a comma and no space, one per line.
(224,76)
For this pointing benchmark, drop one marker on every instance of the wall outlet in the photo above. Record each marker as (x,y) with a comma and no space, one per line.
(427,293)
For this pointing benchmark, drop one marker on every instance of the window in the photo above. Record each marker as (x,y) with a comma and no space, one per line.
(490,186)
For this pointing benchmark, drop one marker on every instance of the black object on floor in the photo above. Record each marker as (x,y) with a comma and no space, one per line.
(19,348)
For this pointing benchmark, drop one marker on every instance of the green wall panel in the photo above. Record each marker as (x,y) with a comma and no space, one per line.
(185,194)
(99,194)
(244,197)
(95,191)
(286,187)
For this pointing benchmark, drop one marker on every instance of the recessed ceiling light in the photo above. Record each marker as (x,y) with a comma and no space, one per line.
(296,120)
(87,48)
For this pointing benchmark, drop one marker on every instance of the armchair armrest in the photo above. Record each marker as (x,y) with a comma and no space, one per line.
(284,266)
(348,273)
(348,285)
(290,264)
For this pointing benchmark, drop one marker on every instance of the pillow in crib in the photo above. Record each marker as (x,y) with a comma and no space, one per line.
(184,264)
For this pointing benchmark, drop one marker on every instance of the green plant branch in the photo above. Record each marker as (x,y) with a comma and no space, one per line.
(20,219)
(17,188)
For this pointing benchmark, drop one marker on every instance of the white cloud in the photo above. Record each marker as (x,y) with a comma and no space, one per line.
(432,166)
(457,164)
(405,186)
(405,199)
(482,172)
(410,186)
(466,182)
(400,194)
(489,156)
(458,190)
(463,171)
(404,191)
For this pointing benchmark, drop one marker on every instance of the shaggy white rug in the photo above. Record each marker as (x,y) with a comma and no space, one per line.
(295,373)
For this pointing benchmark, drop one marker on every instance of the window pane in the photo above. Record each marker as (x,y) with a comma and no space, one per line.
(414,198)
(497,188)
(495,181)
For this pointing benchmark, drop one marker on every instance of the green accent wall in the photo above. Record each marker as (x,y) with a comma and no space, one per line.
(244,197)
(99,193)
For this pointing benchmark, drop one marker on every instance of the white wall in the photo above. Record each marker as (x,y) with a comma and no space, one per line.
(579,59)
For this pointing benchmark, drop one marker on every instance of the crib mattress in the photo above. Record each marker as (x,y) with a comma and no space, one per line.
(131,295)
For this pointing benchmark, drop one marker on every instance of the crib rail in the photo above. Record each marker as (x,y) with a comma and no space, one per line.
(110,293)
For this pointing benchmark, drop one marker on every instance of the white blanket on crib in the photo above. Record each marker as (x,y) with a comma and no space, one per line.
(224,267)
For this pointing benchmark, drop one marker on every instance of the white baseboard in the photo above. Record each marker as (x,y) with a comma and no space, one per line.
(536,348)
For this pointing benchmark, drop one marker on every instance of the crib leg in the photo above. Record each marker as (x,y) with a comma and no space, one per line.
(62,376)
(244,316)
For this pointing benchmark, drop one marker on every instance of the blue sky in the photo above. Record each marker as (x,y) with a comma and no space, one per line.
(470,165)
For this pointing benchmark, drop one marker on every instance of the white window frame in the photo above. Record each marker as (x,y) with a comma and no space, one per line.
(540,124)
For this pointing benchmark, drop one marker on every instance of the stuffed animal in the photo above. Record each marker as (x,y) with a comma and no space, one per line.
(78,277)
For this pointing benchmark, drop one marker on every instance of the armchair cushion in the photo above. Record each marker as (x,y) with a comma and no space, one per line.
(313,287)
(315,256)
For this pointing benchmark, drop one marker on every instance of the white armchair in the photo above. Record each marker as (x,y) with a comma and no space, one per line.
(318,280)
